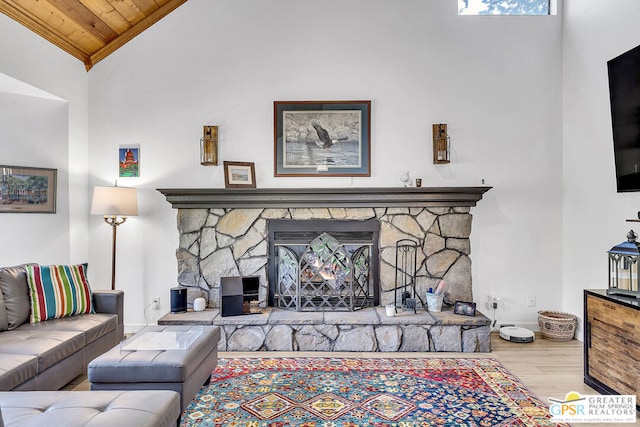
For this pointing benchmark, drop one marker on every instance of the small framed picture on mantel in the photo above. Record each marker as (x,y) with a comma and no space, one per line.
(239,175)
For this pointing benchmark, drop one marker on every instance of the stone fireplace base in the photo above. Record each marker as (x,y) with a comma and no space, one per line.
(368,330)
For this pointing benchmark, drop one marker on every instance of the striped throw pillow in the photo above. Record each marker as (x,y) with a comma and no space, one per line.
(58,291)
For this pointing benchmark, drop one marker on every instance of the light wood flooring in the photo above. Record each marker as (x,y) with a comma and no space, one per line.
(547,368)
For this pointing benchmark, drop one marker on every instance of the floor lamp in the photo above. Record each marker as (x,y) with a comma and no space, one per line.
(115,204)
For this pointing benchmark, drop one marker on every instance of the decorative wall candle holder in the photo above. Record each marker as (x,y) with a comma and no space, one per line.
(441,144)
(209,146)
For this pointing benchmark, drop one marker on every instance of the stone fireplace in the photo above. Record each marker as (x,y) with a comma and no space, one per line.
(226,233)
(235,232)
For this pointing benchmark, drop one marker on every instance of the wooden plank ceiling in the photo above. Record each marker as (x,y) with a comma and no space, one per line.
(90,30)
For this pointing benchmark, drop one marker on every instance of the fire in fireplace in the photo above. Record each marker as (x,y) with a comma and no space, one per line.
(323,265)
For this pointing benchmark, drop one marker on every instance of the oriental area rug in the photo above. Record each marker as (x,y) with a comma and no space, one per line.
(343,392)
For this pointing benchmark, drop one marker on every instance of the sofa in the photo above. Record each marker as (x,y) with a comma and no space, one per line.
(49,354)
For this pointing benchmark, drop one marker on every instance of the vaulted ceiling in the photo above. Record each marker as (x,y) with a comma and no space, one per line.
(90,30)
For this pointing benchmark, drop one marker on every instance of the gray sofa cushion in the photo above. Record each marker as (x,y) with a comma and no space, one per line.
(16,369)
(15,292)
(93,326)
(49,346)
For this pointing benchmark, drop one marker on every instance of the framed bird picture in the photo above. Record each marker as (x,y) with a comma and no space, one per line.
(322,138)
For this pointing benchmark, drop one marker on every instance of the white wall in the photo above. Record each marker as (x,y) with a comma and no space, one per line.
(495,80)
(34,132)
(43,123)
(594,214)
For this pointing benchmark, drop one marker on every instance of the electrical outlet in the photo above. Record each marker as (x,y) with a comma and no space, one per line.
(531,300)
(155,303)
(493,302)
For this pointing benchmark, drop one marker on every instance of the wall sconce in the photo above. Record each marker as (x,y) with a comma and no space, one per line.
(209,146)
(441,144)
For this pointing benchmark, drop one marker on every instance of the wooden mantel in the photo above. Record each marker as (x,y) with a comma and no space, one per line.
(363,197)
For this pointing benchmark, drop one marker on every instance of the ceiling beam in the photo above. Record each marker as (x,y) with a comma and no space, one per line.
(20,16)
(85,30)
(128,35)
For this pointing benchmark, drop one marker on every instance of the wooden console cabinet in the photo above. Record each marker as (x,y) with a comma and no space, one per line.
(612,343)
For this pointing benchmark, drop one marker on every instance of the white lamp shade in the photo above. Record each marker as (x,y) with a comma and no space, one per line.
(121,201)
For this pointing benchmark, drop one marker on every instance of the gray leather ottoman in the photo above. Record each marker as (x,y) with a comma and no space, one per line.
(184,370)
(89,408)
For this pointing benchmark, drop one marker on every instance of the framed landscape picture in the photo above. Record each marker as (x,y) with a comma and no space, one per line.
(322,138)
(26,189)
(239,175)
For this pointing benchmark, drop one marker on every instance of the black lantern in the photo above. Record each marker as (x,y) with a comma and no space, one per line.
(624,274)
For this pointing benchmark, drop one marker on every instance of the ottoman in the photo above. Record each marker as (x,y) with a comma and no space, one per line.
(157,408)
(178,358)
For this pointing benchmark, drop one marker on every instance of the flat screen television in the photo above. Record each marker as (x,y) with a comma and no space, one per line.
(624,93)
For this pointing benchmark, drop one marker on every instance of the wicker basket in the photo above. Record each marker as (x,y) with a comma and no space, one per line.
(557,326)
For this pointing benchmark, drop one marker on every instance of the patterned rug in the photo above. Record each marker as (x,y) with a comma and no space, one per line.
(342,392)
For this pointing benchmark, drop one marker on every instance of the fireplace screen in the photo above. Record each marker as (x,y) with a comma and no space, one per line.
(324,275)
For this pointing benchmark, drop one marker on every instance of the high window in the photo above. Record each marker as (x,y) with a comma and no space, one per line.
(503,7)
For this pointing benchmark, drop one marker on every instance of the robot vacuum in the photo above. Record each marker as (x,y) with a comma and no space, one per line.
(515,334)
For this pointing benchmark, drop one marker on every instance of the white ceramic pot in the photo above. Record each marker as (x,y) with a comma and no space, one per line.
(391,310)
(199,304)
